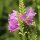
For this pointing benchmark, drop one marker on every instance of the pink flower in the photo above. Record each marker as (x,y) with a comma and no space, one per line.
(23,17)
(29,21)
(28,16)
(30,12)
(13,22)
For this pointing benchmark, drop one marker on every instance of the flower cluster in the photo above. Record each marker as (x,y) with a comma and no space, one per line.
(27,17)
(13,22)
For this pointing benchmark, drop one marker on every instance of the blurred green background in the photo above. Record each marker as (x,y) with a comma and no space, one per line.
(6,6)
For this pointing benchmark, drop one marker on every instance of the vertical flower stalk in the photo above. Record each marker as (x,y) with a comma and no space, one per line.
(34,33)
(30,15)
(21,6)
(21,10)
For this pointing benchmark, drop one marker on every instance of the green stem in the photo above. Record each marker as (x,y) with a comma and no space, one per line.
(22,33)
(28,35)
(23,37)
(21,10)
(21,6)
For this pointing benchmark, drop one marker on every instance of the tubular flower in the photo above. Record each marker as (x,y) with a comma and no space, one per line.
(30,12)
(23,17)
(13,22)
(28,16)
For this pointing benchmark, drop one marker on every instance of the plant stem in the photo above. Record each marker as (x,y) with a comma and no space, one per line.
(21,10)
(21,6)
(23,37)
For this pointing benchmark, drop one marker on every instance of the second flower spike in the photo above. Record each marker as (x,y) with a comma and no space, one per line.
(28,16)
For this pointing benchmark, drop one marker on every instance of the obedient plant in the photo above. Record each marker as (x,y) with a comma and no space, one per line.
(13,22)
(28,16)
(25,15)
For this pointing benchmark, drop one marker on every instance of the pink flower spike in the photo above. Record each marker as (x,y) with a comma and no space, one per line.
(30,14)
(13,22)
